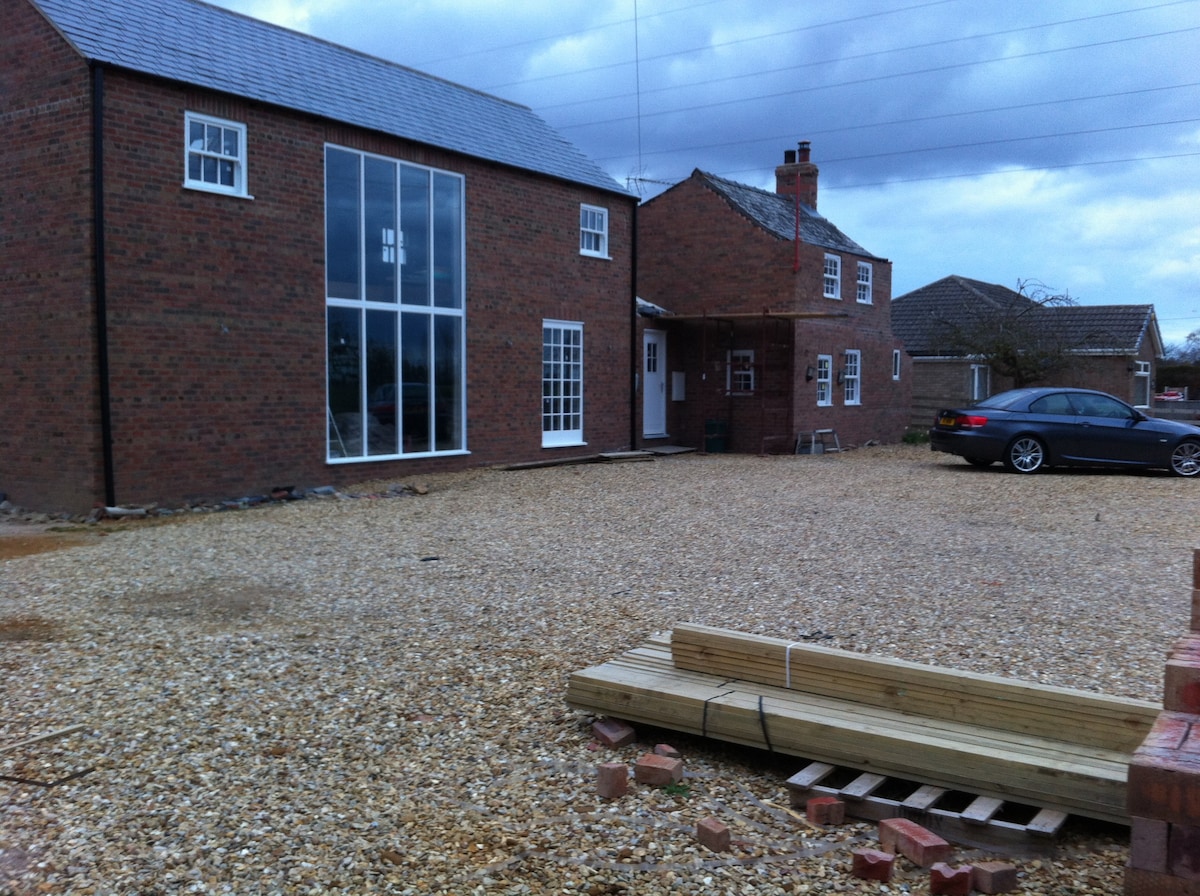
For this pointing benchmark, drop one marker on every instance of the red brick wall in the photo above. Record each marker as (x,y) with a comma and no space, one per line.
(217,305)
(49,422)
(697,255)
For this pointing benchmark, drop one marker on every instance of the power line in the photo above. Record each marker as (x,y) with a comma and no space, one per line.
(888,77)
(742,40)
(914,120)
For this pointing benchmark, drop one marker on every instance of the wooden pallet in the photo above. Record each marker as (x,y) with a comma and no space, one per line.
(964,818)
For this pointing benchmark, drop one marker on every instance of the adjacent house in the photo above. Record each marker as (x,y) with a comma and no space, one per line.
(234,257)
(1113,348)
(761,322)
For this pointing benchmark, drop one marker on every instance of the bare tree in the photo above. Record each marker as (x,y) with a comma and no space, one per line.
(1015,335)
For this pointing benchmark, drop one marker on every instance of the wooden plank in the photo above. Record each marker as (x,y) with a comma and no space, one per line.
(923,798)
(935,692)
(1047,823)
(811,774)
(981,810)
(863,786)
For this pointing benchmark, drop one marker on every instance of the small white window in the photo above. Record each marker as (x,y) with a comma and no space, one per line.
(593,231)
(981,382)
(833,277)
(852,379)
(824,381)
(1141,384)
(215,155)
(864,283)
(739,371)
(896,364)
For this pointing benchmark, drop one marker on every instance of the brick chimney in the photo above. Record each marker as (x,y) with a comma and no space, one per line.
(798,175)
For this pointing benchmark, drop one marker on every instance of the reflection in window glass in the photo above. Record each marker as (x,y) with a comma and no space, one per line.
(414,213)
(341,224)
(447,241)
(344,379)
(418,381)
(379,176)
(381,382)
(448,338)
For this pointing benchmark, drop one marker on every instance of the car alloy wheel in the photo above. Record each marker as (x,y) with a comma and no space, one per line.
(1185,459)
(1025,454)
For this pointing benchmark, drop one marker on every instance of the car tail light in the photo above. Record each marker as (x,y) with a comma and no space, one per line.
(969,421)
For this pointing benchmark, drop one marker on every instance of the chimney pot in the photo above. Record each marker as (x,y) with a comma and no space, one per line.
(805,148)
(789,157)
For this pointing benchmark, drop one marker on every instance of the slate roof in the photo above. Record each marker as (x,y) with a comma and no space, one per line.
(777,213)
(205,46)
(921,316)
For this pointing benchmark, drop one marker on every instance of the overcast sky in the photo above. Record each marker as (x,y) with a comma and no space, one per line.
(1019,141)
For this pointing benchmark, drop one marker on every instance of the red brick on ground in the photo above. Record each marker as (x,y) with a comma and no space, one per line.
(872,864)
(657,771)
(612,780)
(994,877)
(613,732)
(667,750)
(825,810)
(946,880)
(712,833)
(917,844)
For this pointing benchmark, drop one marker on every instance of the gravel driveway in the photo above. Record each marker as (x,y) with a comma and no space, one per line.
(366,695)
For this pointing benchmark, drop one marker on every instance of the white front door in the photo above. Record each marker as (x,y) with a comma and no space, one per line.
(654,384)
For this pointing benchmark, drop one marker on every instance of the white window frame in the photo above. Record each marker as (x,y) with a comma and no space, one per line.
(562,385)
(824,381)
(739,372)
(833,276)
(593,231)
(852,382)
(896,364)
(981,382)
(205,157)
(864,283)
(1143,395)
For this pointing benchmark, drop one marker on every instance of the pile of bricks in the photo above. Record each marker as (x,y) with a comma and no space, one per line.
(925,849)
(1164,778)
(898,836)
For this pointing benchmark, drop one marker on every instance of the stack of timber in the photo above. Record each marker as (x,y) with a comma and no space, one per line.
(1051,747)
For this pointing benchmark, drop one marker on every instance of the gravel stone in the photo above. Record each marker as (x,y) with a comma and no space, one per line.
(367,695)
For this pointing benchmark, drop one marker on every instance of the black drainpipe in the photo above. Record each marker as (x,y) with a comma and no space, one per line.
(635,349)
(101,281)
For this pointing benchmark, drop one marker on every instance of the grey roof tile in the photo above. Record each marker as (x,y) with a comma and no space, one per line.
(777,214)
(205,46)
(921,318)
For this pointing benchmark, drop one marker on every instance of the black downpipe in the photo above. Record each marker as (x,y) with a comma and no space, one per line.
(635,348)
(101,282)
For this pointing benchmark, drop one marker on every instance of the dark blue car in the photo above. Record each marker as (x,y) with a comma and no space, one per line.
(1028,429)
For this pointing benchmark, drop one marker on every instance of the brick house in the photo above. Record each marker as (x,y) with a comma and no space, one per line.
(1113,348)
(235,257)
(761,322)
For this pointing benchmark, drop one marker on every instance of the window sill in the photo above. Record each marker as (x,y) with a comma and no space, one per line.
(204,188)
(564,445)
(595,255)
